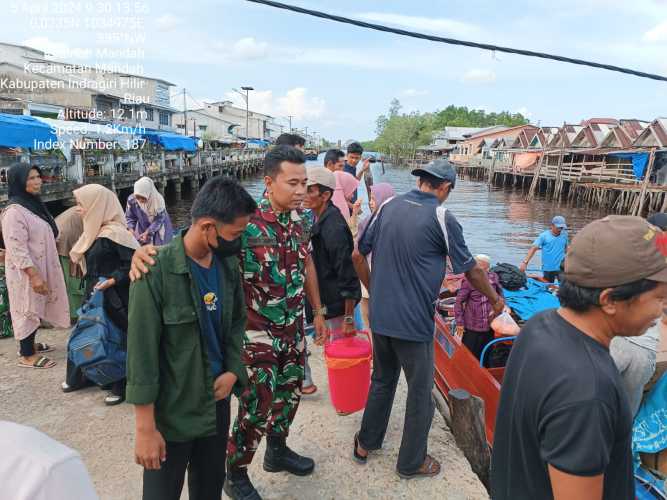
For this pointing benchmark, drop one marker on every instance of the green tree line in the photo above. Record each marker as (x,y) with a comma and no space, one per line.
(400,134)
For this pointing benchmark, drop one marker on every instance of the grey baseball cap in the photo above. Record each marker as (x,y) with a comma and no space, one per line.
(442,169)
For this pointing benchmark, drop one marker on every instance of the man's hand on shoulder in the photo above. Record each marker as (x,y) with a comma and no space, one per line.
(141,260)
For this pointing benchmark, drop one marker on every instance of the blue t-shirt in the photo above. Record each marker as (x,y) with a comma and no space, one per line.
(208,285)
(553,249)
(409,251)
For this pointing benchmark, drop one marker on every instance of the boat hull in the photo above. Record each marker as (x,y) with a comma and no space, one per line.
(457,368)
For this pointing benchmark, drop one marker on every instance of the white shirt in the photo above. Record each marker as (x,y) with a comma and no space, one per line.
(35,467)
(650,339)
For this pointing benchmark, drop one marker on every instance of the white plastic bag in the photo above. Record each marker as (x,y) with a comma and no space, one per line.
(504,324)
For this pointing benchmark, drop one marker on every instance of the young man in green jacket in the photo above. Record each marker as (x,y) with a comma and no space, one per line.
(186,325)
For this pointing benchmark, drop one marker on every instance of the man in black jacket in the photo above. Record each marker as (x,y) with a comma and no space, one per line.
(332,253)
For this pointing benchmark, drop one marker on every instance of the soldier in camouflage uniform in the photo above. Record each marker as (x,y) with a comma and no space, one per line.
(274,265)
(277,273)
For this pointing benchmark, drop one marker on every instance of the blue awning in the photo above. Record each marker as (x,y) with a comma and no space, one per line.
(258,143)
(19,131)
(639,161)
(170,141)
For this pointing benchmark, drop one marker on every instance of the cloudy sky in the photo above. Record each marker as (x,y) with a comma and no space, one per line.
(336,79)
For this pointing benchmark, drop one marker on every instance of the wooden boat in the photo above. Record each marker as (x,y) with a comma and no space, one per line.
(457,368)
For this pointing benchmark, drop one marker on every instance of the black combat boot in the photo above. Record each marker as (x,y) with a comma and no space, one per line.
(238,486)
(279,457)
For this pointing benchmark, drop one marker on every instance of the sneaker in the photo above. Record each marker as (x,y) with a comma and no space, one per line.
(113,399)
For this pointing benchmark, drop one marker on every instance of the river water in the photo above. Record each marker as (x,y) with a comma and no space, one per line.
(498,222)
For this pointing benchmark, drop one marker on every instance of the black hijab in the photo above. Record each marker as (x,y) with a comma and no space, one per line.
(17,178)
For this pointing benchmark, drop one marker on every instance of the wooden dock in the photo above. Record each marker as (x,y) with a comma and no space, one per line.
(582,180)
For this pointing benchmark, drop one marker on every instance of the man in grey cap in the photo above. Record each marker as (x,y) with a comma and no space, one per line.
(333,245)
(564,426)
(410,237)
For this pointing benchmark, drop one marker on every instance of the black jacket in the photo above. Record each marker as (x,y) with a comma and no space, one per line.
(332,254)
(108,259)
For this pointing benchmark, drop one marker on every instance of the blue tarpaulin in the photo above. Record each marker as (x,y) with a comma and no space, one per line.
(532,299)
(170,141)
(649,432)
(19,131)
(639,161)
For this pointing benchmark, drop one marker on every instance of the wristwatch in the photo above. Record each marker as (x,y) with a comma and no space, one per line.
(322,311)
(348,320)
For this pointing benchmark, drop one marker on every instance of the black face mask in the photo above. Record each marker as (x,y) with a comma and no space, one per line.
(227,248)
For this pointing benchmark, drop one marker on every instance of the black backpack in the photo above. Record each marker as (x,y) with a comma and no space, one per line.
(511,277)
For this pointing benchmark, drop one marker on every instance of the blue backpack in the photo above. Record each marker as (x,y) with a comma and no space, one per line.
(96,345)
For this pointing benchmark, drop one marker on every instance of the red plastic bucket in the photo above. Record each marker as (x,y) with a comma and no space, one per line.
(349,367)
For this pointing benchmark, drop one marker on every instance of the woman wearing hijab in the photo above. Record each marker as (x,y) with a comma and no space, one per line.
(70,229)
(380,193)
(104,250)
(147,215)
(346,186)
(34,276)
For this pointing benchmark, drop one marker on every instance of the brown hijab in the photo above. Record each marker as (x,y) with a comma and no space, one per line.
(103,218)
(70,229)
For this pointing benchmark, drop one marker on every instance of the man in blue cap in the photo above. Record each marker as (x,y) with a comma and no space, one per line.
(553,243)
(410,237)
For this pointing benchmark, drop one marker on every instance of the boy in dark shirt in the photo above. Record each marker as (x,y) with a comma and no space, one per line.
(564,426)
(186,325)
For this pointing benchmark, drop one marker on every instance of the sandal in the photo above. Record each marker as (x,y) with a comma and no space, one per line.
(360,459)
(430,468)
(41,347)
(41,363)
(309,389)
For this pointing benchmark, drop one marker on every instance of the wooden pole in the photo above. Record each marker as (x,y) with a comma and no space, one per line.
(493,164)
(536,178)
(468,428)
(647,179)
(559,172)
(664,202)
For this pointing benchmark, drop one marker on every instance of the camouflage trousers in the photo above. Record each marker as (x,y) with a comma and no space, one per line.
(269,403)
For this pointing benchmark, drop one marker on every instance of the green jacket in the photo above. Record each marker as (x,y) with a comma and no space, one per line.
(167,358)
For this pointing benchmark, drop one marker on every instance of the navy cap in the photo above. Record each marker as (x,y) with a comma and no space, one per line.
(441,169)
(659,219)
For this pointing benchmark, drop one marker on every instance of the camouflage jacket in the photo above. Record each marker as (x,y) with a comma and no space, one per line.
(273,262)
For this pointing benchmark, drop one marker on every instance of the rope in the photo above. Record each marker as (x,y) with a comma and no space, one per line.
(453,41)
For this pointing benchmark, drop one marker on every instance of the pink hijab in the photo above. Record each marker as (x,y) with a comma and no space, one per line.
(346,186)
(382,192)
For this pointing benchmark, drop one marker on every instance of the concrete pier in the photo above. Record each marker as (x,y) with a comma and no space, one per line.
(173,167)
